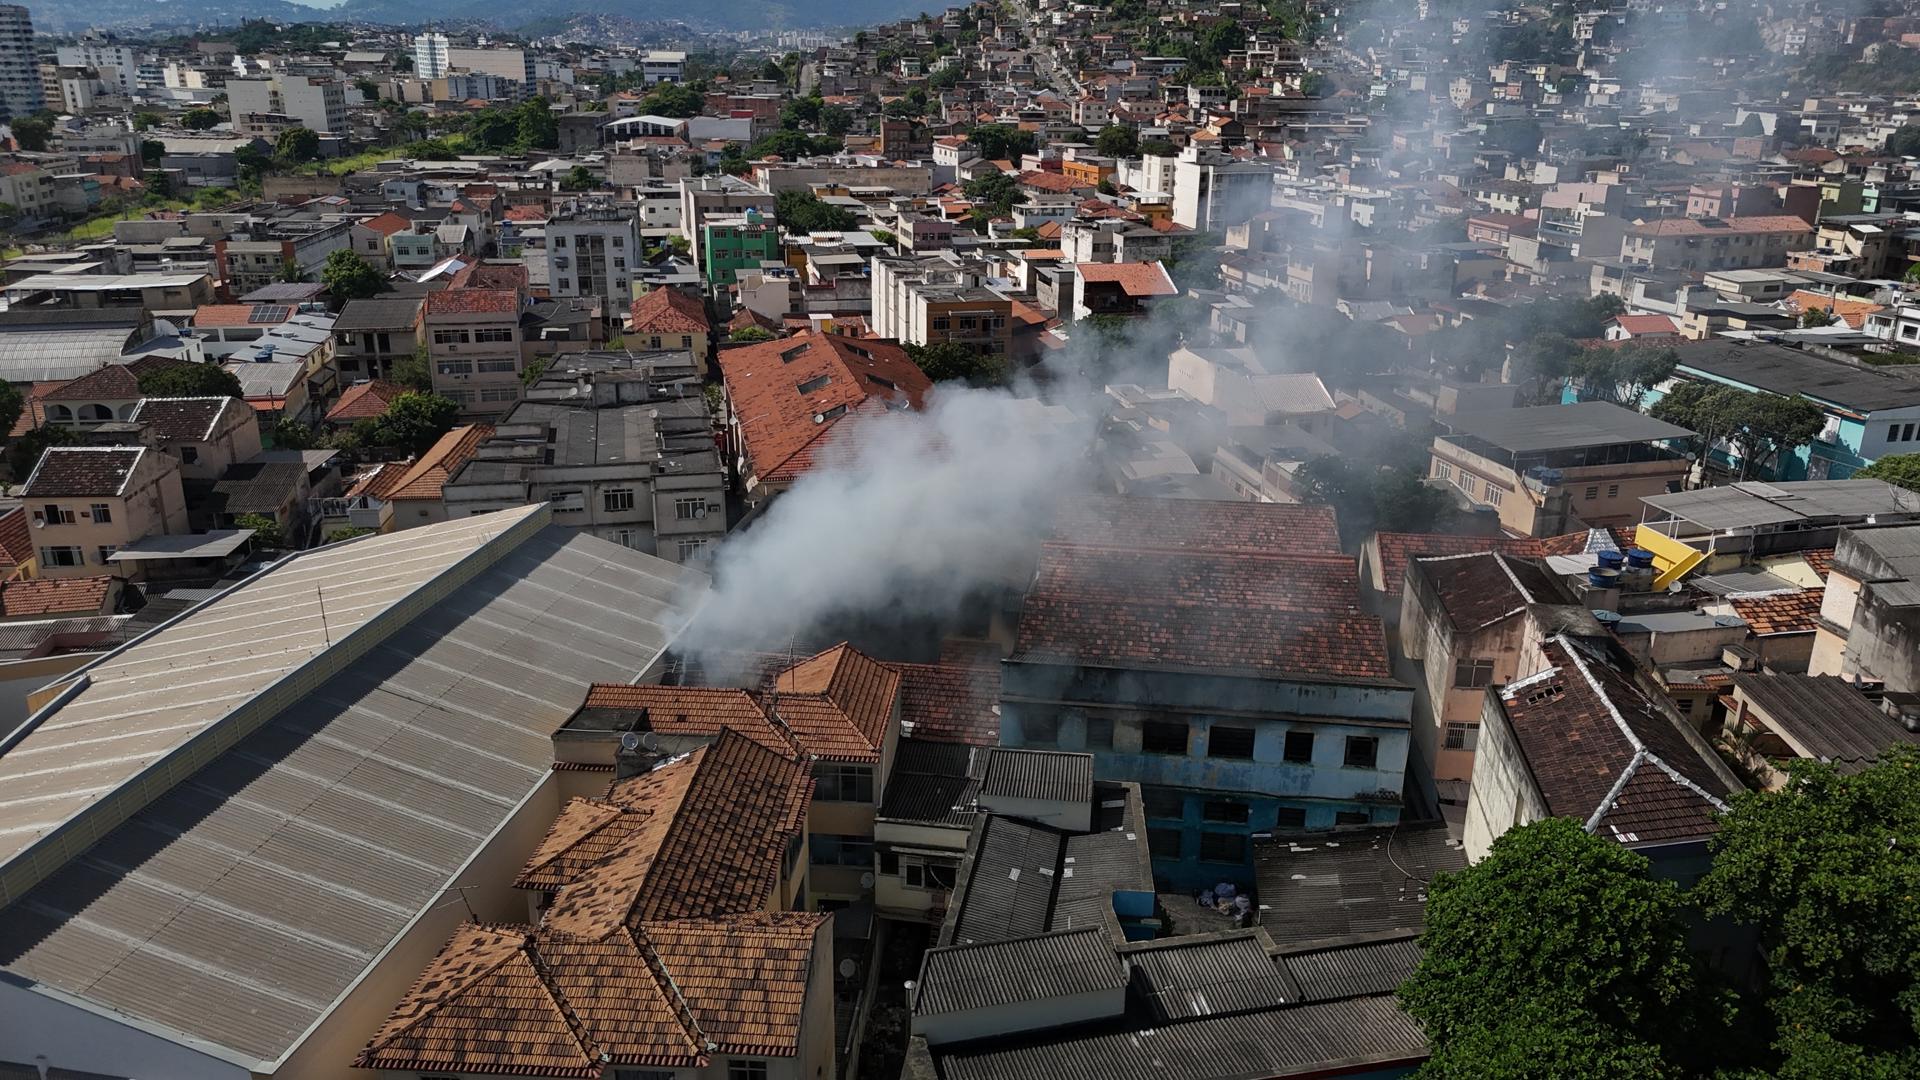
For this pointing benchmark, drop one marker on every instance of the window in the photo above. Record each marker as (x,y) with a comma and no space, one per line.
(626,538)
(1230,742)
(835,781)
(1223,847)
(686,341)
(615,500)
(1040,730)
(106,553)
(1906,433)
(63,556)
(1350,817)
(692,549)
(1493,495)
(619,264)
(1226,811)
(1593,491)
(1470,673)
(830,850)
(449,337)
(815,383)
(1099,732)
(1613,491)
(746,1070)
(456,367)
(499,393)
(1159,802)
(925,875)
(493,335)
(1290,817)
(495,366)
(189,455)
(690,509)
(1299,746)
(566,283)
(1163,737)
(1443,470)
(1363,751)
(1462,736)
(1164,843)
(560,243)
(941,322)
(567,500)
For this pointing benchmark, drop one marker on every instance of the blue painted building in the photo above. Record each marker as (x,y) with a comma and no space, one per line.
(1214,653)
(1871,413)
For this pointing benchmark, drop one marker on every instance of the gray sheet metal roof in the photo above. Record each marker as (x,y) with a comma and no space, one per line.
(47,355)
(1565,427)
(1825,716)
(1348,968)
(208,545)
(243,900)
(1753,504)
(1335,884)
(1017,971)
(1047,775)
(1183,978)
(1792,372)
(933,783)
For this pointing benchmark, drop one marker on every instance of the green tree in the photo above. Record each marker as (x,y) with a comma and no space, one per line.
(951,361)
(1814,317)
(1902,470)
(200,119)
(151,151)
(32,132)
(297,146)
(1905,142)
(1826,868)
(1559,946)
(535,126)
(1368,497)
(290,272)
(415,372)
(347,532)
(492,129)
(672,99)
(347,276)
(415,420)
(1159,148)
(1759,427)
(147,121)
(835,120)
(792,145)
(998,142)
(24,452)
(536,368)
(996,193)
(750,334)
(1315,84)
(1622,375)
(190,380)
(291,434)
(802,113)
(266,530)
(1117,140)
(12,403)
(579,178)
(801,211)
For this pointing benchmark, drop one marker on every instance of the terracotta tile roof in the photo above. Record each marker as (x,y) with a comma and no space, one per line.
(1135,279)
(777,418)
(114,382)
(1573,543)
(16,539)
(1821,560)
(692,711)
(668,311)
(1848,310)
(378,481)
(528,213)
(31,413)
(507,277)
(387,224)
(744,977)
(1397,549)
(1788,613)
(1184,525)
(82,470)
(954,700)
(452,301)
(182,419)
(1759,223)
(55,596)
(1056,183)
(364,401)
(700,835)
(1481,588)
(431,470)
(210,315)
(1603,754)
(1636,325)
(838,703)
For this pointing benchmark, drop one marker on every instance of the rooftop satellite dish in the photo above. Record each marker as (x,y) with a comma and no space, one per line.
(848,969)
(629,741)
(649,740)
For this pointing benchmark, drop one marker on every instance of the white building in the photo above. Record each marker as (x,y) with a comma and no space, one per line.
(592,249)
(1212,191)
(660,66)
(430,56)
(119,65)
(314,103)
(20,92)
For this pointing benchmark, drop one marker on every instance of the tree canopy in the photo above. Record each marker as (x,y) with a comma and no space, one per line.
(1559,947)
(190,380)
(347,276)
(200,119)
(32,132)
(951,361)
(1759,427)
(1002,141)
(801,211)
(1367,497)
(415,420)
(1117,140)
(1902,470)
(296,146)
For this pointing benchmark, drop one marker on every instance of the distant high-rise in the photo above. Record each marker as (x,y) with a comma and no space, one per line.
(430,55)
(20,92)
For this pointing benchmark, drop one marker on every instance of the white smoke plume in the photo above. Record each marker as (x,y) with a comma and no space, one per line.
(921,511)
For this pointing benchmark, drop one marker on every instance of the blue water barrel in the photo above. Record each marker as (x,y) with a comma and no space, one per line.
(1639,558)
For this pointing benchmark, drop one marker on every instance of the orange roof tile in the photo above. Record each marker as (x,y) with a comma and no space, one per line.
(954,700)
(455,301)
(1398,549)
(1821,560)
(364,401)
(692,711)
(777,417)
(240,315)
(744,977)
(55,596)
(1788,613)
(703,834)
(387,224)
(1135,279)
(838,704)
(16,539)
(668,311)
(431,470)
(1848,310)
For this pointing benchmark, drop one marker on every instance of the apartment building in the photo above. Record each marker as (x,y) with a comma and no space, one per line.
(933,300)
(309,101)
(621,446)
(474,347)
(1552,469)
(430,55)
(20,90)
(732,243)
(270,252)
(86,502)
(373,334)
(1698,245)
(593,249)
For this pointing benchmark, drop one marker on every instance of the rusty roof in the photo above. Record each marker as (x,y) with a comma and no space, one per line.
(953,700)
(688,711)
(1396,550)
(55,596)
(1783,613)
(778,418)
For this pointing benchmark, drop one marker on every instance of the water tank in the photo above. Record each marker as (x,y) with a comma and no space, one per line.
(1639,558)
(1611,559)
(1603,577)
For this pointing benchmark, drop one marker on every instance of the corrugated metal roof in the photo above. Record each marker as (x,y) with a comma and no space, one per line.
(1356,881)
(1048,775)
(1182,978)
(240,903)
(1352,968)
(1018,971)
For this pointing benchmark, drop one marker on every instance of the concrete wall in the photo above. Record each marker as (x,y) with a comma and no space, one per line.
(1003,1020)
(1503,793)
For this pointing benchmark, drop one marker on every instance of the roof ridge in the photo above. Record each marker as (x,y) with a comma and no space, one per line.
(454,988)
(677,1001)
(577,1027)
